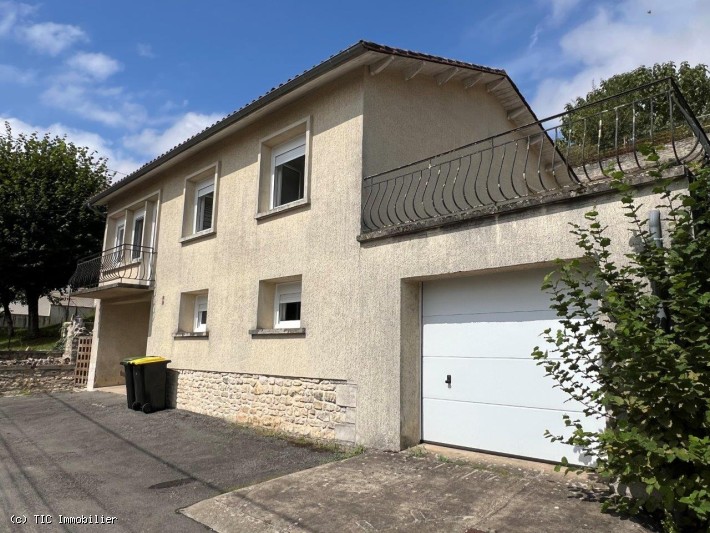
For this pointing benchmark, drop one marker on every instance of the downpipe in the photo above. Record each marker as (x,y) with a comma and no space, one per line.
(656,232)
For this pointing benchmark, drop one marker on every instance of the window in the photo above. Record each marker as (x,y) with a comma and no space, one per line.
(204,199)
(200,313)
(192,317)
(278,310)
(120,233)
(287,306)
(137,242)
(130,237)
(118,241)
(288,164)
(284,170)
(199,215)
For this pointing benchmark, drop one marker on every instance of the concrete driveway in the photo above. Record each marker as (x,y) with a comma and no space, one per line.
(81,454)
(414,492)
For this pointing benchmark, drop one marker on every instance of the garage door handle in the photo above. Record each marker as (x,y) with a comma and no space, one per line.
(448,380)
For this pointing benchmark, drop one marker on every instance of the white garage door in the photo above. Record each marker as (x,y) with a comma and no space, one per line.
(479,332)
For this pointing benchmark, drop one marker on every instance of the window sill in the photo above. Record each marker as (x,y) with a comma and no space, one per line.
(197,236)
(281,209)
(191,335)
(262,332)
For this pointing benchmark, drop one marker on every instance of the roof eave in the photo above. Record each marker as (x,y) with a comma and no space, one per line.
(335,61)
(347,55)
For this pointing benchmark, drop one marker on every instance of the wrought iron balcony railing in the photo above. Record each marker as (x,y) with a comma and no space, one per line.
(570,150)
(125,263)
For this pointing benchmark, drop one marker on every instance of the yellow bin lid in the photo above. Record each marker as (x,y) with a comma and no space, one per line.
(150,359)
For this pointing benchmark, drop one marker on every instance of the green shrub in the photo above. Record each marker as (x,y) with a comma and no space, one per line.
(634,348)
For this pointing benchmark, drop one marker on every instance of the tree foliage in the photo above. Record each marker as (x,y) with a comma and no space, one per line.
(634,349)
(643,115)
(45,226)
(694,83)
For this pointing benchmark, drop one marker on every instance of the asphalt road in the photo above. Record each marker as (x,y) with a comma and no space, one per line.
(86,454)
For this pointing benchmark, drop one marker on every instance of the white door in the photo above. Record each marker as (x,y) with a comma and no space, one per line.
(481,387)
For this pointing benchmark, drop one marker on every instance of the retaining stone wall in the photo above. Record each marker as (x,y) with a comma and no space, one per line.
(22,355)
(16,380)
(317,408)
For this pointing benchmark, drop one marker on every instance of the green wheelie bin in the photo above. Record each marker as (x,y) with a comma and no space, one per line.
(149,377)
(130,386)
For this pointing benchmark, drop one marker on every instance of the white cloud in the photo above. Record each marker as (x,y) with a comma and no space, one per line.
(145,50)
(619,37)
(151,142)
(100,106)
(78,87)
(13,74)
(118,160)
(559,12)
(11,13)
(561,9)
(96,65)
(51,38)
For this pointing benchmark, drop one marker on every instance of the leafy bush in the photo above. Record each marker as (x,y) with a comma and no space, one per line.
(634,348)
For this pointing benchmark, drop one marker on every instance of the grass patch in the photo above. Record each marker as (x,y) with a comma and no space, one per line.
(417,451)
(47,341)
(458,462)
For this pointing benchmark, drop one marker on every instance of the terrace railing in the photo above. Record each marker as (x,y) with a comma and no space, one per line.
(122,264)
(569,150)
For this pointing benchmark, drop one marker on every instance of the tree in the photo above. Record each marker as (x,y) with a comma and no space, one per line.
(8,293)
(45,224)
(7,296)
(644,115)
(694,82)
(634,349)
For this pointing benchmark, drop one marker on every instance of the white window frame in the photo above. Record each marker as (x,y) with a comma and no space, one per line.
(295,148)
(200,306)
(198,184)
(286,293)
(120,228)
(136,254)
(203,188)
(118,243)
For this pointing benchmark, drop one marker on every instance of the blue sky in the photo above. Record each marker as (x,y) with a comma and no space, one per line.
(131,79)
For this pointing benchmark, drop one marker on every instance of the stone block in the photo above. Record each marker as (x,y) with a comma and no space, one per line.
(329,397)
(346,395)
(345,432)
(350,416)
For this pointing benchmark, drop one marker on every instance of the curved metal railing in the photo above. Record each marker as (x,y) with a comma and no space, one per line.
(567,150)
(125,263)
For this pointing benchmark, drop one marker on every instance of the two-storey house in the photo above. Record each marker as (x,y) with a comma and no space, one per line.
(309,263)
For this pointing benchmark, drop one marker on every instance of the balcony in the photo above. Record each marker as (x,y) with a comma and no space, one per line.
(569,154)
(125,270)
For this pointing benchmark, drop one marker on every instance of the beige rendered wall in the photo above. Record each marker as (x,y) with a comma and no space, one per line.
(311,241)
(360,302)
(316,242)
(120,331)
(406,121)
(390,267)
